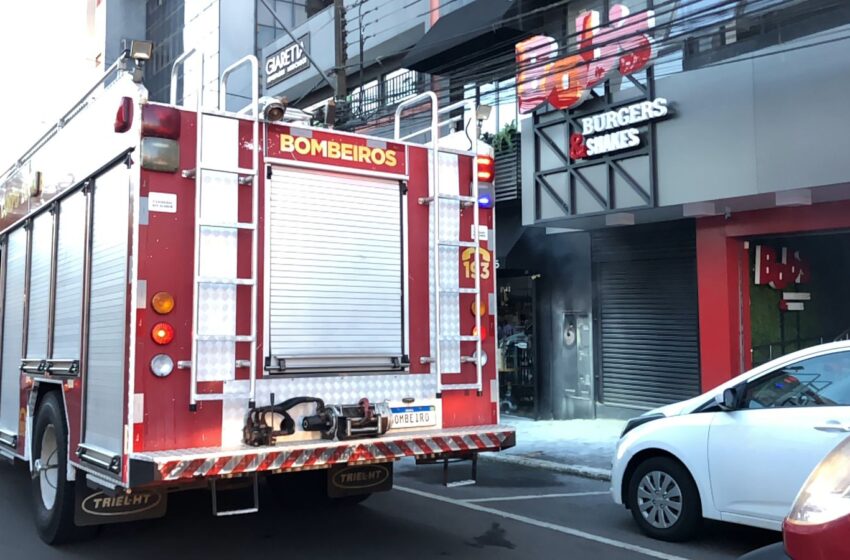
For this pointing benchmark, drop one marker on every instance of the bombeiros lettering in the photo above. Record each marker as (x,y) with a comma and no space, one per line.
(333,149)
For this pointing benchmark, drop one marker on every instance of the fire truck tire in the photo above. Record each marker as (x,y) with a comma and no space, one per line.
(52,493)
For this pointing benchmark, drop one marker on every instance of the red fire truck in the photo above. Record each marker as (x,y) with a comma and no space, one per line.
(192,296)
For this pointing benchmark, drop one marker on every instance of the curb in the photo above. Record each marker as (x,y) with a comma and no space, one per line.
(594,473)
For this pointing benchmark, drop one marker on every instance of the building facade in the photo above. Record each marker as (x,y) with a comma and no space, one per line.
(693,209)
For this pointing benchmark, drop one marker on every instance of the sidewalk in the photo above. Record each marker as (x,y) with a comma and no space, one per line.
(580,447)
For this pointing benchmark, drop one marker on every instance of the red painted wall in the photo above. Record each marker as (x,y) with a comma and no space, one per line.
(724,277)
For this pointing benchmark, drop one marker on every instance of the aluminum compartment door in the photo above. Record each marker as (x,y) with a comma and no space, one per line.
(70,265)
(39,296)
(13,323)
(105,374)
(335,272)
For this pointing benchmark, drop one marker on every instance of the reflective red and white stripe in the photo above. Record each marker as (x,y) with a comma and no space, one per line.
(294,458)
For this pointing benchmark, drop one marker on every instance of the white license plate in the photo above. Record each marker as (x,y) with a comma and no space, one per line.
(413,416)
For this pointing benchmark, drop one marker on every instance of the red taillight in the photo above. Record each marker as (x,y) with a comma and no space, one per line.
(124,116)
(483,332)
(486,169)
(160,121)
(162,333)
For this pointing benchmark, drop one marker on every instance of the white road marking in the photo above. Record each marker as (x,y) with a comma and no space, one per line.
(534,497)
(543,524)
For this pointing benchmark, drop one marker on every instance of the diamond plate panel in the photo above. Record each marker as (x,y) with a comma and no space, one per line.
(217,310)
(449,327)
(340,390)
(216,360)
(217,259)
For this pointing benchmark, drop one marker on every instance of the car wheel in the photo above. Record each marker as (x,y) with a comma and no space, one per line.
(52,493)
(664,500)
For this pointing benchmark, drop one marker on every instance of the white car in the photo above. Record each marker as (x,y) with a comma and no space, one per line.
(739,453)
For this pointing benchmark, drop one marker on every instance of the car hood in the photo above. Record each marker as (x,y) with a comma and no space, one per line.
(682,407)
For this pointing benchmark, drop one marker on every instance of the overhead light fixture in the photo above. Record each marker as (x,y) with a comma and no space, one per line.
(141,50)
(482,112)
(273,109)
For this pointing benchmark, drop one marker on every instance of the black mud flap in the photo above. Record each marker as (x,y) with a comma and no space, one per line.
(95,507)
(345,480)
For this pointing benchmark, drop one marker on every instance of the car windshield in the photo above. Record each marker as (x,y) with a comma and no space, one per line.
(820,381)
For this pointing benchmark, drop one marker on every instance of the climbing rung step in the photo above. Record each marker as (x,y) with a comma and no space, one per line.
(458,244)
(189,173)
(460,386)
(226,281)
(221,396)
(228,225)
(459,291)
(454,197)
(224,338)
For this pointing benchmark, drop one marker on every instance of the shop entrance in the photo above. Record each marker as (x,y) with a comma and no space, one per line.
(516,359)
(799,292)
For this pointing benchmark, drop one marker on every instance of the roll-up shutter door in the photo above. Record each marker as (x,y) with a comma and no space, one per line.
(335,272)
(647,312)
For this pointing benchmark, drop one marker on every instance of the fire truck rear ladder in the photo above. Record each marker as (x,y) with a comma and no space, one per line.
(247,178)
(438,241)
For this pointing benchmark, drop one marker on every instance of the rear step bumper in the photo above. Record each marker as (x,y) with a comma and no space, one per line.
(185,465)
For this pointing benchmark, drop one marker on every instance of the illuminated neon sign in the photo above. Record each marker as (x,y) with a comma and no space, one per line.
(623,46)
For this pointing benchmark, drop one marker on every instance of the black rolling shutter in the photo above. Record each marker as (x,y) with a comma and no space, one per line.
(647,314)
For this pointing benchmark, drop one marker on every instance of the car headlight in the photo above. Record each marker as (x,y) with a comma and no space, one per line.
(639,421)
(826,494)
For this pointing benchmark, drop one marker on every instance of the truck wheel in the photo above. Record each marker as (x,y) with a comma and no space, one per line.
(52,493)
(664,500)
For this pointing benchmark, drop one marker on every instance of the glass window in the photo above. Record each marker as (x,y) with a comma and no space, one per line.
(291,12)
(698,15)
(506,109)
(820,381)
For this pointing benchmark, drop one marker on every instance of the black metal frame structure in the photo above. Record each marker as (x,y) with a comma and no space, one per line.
(573,173)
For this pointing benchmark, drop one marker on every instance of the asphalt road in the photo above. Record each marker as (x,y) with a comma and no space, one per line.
(513,512)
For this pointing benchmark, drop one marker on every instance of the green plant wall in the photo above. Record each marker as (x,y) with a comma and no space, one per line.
(826,315)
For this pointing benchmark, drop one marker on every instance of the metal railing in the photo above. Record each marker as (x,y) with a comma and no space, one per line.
(384,95)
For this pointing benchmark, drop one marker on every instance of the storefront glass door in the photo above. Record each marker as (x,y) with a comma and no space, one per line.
(516,355)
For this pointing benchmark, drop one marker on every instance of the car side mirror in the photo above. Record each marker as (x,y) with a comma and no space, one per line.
(732,398)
